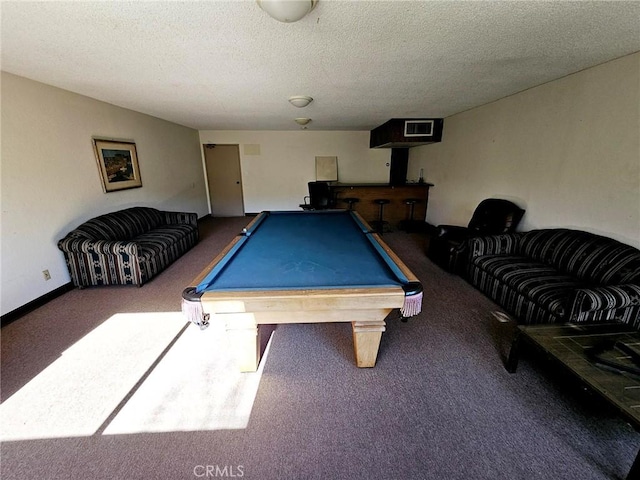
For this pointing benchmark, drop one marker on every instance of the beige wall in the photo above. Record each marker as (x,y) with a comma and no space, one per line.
(276,179)
(567,151)
(50,181)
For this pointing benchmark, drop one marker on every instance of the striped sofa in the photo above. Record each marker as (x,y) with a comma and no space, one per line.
(127,247)
(558,275)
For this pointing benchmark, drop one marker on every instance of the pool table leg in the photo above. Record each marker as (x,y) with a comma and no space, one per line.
(366,341)
(242,334)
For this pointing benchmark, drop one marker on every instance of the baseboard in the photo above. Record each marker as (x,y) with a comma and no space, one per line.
(7,318)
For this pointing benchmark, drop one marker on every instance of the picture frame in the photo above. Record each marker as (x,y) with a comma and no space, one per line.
(118,165)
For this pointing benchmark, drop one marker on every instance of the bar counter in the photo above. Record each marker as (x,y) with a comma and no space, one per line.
(395,211)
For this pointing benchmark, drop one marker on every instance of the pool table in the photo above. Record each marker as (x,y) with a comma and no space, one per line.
(303,267)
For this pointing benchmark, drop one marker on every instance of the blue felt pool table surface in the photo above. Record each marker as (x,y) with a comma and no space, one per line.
(304,250)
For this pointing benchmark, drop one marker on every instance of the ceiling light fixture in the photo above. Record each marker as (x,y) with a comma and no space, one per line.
(300,100)
(302,121)
(287,11)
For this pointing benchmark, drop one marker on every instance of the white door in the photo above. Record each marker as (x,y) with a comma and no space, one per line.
(224,179)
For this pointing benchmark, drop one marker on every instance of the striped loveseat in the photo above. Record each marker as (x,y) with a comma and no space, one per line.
(127,247)
(558,275)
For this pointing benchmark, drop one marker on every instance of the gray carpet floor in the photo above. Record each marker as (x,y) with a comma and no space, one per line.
(438,405)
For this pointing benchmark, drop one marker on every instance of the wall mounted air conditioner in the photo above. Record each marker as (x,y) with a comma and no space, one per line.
(406,133)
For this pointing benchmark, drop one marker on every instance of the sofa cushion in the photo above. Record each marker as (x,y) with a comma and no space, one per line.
(539,245)
(122,225)
(552,246)
(142,219)
(160,239)
(501,266)
(534,281)
(591,258)
(618,264)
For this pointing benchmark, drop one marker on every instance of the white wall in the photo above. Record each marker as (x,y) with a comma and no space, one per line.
(567,151)
(276,179)
(50,180)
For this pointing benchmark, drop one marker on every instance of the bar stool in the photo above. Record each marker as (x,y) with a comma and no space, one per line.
(380,223)
(351,201)
(409,223)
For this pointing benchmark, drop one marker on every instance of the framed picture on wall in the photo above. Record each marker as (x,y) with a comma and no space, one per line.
(118,165)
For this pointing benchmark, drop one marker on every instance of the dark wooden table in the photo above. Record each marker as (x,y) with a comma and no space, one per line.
(572,346)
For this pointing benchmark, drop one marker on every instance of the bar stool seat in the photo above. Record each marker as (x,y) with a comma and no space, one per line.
(379,224)
(351,201)
(409,224)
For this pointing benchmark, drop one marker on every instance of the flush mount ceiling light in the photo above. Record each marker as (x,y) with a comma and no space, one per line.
(302,121)
(287,11)
(300,100)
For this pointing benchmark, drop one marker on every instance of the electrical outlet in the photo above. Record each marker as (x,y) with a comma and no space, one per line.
(46,274)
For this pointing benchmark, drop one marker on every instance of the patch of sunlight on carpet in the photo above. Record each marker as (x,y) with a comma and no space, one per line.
(196,386)
(75,394)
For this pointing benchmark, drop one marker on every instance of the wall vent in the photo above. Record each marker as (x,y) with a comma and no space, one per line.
(418,128)
(406,133)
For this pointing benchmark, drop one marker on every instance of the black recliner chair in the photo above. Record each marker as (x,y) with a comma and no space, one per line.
(448,244)
(319,197)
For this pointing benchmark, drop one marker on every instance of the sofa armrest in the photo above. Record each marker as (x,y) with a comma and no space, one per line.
(604,298)
(505,244)
(180,218)
(82,245)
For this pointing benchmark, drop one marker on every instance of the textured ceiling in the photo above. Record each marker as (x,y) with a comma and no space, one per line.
(229,66)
